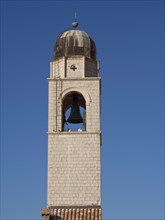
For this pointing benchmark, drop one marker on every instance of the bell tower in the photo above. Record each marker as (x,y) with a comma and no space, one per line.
(74,137)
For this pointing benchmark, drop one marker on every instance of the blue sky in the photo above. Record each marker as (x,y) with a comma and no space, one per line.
(130,42)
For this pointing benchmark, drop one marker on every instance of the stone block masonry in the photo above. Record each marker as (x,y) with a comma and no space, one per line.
(74,169)
(91,86)
(74,175)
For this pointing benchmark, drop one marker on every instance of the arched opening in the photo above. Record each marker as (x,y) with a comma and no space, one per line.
(74,112)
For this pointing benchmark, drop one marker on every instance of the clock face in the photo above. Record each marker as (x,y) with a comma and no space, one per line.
(73,67)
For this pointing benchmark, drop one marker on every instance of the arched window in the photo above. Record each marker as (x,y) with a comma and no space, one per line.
(74,112)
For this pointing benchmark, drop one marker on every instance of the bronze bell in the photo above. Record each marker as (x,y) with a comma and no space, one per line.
(75,116)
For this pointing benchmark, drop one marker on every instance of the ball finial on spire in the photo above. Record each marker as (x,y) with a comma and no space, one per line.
(75,23)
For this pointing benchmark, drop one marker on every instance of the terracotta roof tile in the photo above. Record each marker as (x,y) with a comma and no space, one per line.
(77,213)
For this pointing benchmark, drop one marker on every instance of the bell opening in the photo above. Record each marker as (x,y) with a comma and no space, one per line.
(74,113)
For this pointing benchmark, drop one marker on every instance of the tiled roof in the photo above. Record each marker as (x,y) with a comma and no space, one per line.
(77,213)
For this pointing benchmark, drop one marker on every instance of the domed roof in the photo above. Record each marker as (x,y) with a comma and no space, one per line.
(74,42)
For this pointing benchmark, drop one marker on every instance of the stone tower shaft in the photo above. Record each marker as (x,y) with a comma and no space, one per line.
(74,174)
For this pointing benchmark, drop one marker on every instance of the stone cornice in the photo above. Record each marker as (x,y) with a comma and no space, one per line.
(72,132)
(74,79)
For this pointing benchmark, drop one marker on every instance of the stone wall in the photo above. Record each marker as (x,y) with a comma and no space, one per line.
(74,157)
(85,67)
(74,169)
(90,86)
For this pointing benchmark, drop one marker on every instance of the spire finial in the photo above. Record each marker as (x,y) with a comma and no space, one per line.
(75,23)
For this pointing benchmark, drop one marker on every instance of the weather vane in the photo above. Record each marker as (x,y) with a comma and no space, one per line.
(75,23)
